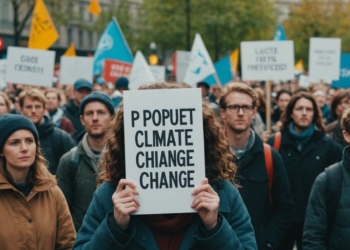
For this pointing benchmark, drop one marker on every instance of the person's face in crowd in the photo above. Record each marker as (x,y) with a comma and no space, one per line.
(96,119)
(342,105)
(303,114)
(205,90)
(237,118)
(19,151)
(52,101)
(216,92)
(79,94)
(33,109)
(320,98)
(283,101)
(97,88)
(3,107)
(329,97)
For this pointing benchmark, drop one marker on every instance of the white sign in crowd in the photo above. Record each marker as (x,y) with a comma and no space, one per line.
(165,151)
(75,68)
(30,66)
(3,64)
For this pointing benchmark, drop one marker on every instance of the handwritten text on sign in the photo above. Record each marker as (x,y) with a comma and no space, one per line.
(267,60)
(165,149)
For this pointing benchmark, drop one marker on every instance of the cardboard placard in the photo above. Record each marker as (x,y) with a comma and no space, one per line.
(113,69)
(75,68)
(30,66)
(158,72)
(267,60)
(165,153)
(3,64)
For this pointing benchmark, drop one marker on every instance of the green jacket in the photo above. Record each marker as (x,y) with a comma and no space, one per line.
(77,184)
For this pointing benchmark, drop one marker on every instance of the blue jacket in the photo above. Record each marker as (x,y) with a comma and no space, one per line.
(235,231)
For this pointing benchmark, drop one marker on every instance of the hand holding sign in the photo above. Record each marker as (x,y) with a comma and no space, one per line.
(206,203)
(124,202)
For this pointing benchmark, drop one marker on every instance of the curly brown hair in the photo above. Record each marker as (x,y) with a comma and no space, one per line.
(219,159)
(286,117)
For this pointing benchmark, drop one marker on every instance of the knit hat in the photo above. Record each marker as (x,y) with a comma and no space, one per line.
(10,123)
(82,83)
(122,82)
(99,97)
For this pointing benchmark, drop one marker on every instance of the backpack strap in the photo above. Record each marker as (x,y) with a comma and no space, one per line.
(277,141)
(269,168)
(73,163)
(334,177)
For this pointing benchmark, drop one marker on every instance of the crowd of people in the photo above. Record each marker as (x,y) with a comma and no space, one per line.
(63,183)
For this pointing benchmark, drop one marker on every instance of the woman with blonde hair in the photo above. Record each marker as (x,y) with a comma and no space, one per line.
(221,221)
(5,104)
(33,211)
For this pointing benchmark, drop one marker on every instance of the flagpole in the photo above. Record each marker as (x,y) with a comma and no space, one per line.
(217,79)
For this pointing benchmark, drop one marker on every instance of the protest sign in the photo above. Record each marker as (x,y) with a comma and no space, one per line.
(324,58)
(3,64)
(113,69)
(158,72)
(75,68)
(182,61)
(344,78)
(140,72)
(165,154)
(267,60)
(30,66)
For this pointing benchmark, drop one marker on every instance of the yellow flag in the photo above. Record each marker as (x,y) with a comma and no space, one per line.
(70,51)
(299,66)
(42,32)
(234,60)
(94,8)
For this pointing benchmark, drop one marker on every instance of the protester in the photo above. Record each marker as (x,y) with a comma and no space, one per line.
(222,222)
(306,151)
(270,206)
(55,113)
(54,142)
(71,110)
(5,104)
(78,169)
(121,84)
(327,223)
(209,97)
(34,213)
(282,99)
(320,97)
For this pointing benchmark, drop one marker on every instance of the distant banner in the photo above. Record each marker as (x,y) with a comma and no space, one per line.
(344,78)
(3,64)
(114,69)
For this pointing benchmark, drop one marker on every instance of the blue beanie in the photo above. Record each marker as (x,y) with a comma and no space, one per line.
(99,97)
(122,82)
(10,123)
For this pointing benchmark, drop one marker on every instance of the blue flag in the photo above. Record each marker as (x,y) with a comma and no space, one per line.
(112,45)
(344,77)
(279,34)
(224,71)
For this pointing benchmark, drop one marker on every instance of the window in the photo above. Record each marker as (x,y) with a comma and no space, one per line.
(81,38)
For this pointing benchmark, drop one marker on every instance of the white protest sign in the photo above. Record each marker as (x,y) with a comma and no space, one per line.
(324,58)
(3,64)
(75,68)
(30,66)
(164,154)
(267,60)
(182,61)
(140,72)
(158,72)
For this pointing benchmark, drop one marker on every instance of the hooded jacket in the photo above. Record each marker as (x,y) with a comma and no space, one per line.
(54,143)
(39,221)
(72,112)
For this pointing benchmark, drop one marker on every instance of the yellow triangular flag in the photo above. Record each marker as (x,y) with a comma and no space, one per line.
(299,66)
(42,32)
(234,60)
(70,51)
(94,8)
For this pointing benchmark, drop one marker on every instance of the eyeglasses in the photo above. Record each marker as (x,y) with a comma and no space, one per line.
(235,108)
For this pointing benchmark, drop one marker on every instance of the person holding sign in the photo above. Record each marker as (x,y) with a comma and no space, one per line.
(221,221)
(34,213)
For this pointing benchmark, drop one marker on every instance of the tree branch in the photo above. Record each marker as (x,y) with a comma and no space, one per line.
(21,26)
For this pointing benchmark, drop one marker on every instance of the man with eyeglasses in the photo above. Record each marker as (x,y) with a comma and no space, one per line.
(270,208)
(306,151)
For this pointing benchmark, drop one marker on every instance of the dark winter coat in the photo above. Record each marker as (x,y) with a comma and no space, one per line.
(54,143)
(269,224)
(78,183)
(304,166)
(72,112)
(316,223)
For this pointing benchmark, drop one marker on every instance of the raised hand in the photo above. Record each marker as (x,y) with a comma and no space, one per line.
(206,202)
(124,202)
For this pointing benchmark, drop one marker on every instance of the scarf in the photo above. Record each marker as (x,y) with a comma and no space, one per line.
(94,158)
(56,116)
(248,145)
(303,137)
(169,231)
